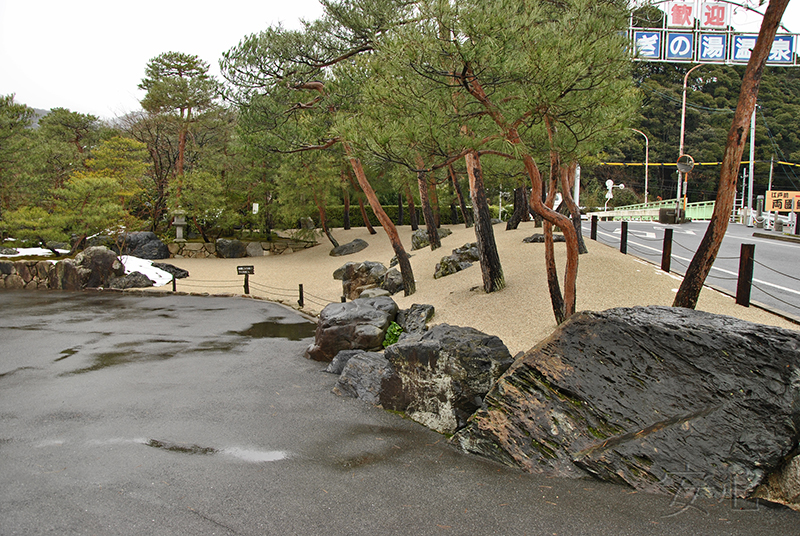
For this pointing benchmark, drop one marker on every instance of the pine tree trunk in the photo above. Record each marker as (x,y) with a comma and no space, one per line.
(427,212)
(346,214)
(520,209)
(556,298)
(412,210)
(461,203)
(323,221)
(364,216)
(491,270)
(706,253)
(433,195)
(400,209)
(567,182)
(409,285)
(564,223)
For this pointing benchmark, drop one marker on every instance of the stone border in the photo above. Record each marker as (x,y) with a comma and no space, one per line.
(205,250)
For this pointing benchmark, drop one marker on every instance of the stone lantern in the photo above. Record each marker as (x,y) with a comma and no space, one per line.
(179,222)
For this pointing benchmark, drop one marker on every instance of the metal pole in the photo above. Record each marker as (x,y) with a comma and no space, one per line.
(301,301)
(750,168)
(683,130)
(646,161)
(769,212)
(593,235)
(246,284)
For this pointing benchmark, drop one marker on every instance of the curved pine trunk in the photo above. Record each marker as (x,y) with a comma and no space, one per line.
(567,182)
(556,298)
(409,285)
(571,238)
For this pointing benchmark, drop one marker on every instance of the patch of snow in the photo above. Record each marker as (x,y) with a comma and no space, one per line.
(144,266)
(35,252)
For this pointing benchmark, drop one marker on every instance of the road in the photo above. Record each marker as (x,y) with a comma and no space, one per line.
(776,278)
(183,415)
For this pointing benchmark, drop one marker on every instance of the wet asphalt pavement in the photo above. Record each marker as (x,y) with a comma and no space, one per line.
(184,415)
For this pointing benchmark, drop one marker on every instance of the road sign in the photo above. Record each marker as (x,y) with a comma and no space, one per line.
(245,270)
(781,201)
(685,163)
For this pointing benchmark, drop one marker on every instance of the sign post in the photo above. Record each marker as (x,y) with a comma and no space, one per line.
(246,271)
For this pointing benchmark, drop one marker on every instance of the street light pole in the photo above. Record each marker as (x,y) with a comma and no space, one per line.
(683,129)
(646,161)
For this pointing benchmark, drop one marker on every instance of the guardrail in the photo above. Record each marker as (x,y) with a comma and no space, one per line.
(650,211)
(744,279)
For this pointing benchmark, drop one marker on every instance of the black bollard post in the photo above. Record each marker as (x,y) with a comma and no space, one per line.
(594,228)
(666,252)
(301,301)
(745,282)
(623,238)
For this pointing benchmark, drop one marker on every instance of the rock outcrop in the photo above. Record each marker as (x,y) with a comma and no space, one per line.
(348,249)
(443,375)
(461,259)
(363,376)
(359,324)
(419,238)
(144,245)
(97,266)
(230,249)
(539,238)
(657,398)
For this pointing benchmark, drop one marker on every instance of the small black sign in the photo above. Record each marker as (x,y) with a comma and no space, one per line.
(245,270)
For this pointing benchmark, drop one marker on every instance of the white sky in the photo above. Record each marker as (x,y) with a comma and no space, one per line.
(89,55)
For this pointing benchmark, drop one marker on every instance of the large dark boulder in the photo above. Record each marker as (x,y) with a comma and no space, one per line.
(657,398)
(393,281)
(131,280)
(65,276)
(419,238)
(363,377)
(539,238)
(358,324)
(443,375)
(174,271)
(415,319)
(144,245)
(97,266)
(348,249)
(360,276)
(231,249)
(460,259)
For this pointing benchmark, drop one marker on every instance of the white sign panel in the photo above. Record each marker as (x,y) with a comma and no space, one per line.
(648,44)
(712,47)
(714,15)
(680,15)
(680,46)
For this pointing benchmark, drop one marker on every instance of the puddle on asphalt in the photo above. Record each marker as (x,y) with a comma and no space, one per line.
(111,359)
(273,329)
